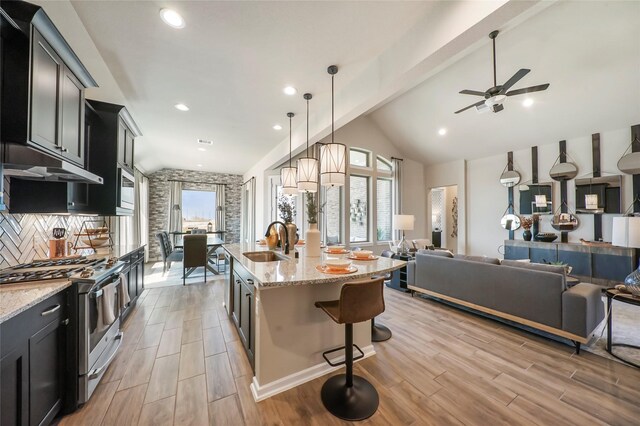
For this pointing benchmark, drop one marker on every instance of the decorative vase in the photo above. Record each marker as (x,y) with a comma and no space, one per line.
(272,239)
(312,243)
(292,230)
(535,227)
(632,282)
(526,235)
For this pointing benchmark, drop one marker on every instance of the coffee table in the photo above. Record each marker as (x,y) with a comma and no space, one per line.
(625,298)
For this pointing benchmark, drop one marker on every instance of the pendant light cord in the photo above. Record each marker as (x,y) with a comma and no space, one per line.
(332,118)
(289,141)
(307,128)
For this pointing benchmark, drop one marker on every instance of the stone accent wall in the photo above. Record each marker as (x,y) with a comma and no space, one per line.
(24,237)
(159,201)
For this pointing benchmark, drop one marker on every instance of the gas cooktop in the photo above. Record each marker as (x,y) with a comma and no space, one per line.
(47,270)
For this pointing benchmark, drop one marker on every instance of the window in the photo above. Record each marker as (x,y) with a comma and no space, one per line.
(384,209)
(198,209)
(359,157)
(332,214)
(359,209)
(383,165)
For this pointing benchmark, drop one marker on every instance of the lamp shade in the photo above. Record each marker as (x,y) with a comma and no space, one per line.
(333,167)
(403,222)
(541,201)
(626,231)
(591,201)
(288,179)
(307,175)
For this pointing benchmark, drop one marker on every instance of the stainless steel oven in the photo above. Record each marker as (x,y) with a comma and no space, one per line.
(126,189)
(99,335)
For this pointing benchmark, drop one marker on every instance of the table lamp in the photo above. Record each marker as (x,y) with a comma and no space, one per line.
(626,233)
(403,222)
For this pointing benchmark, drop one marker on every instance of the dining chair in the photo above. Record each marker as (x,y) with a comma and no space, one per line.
(195,255)
(167,252)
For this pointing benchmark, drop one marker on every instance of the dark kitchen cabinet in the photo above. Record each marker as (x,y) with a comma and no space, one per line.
(113,134)
(242,294)
(43,105)
(29,196)
(46,72)
(134,272)
(34,356)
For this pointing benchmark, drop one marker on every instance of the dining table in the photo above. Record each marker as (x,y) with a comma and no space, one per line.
(213,244)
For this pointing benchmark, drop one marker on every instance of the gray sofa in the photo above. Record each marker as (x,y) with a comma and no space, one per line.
(533,295)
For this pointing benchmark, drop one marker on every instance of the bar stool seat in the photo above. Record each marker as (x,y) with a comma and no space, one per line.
(348,396)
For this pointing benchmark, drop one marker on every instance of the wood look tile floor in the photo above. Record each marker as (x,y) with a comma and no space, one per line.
(181,363)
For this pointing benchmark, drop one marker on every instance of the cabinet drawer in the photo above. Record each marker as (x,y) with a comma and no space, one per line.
(243,274)
(25,324)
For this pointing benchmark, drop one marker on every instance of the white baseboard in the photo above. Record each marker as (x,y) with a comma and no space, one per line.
(262,392)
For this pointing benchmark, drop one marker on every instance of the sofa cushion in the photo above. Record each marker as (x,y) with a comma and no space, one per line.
(557,269)
(442,253)
(484,259)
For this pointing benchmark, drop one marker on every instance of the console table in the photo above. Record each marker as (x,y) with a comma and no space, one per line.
(399,277)
(602,265)
(625,298)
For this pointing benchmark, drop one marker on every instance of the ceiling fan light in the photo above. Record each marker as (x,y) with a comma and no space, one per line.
(495,100)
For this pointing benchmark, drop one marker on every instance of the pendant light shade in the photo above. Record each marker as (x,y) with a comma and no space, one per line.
(333,156)
(307,166)
(288,174)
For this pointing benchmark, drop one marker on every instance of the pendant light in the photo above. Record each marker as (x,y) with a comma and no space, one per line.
(288,174)
(307,166)
(333,155)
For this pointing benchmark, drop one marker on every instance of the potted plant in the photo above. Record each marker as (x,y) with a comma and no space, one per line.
(527,223)
(312,236)
(287,209)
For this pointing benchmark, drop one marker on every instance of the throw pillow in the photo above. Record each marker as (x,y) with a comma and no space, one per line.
(442,253)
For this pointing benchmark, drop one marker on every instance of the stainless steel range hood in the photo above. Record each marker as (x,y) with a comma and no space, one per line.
(24,162)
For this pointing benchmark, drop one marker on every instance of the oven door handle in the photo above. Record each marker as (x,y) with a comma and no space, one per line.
(96,372)
(99,293)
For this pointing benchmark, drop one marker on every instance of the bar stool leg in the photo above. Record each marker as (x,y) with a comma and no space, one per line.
(379,332)
(347,396)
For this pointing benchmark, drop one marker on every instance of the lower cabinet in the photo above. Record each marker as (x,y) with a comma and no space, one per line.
(242,292)
(33,363)
(134,272)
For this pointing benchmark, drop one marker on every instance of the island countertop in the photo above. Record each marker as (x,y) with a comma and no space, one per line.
(302,271)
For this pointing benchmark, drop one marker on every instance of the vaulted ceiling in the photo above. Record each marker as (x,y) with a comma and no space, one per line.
(589,52)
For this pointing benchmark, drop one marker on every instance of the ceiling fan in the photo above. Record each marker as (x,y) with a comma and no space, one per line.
(496,95)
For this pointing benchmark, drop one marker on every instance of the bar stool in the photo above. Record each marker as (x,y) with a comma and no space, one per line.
(347,396)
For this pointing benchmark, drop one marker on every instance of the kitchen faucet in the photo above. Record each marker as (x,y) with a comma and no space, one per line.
(286,234)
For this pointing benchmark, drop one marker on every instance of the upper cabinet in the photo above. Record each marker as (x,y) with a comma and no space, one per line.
(43,85)
(111,136)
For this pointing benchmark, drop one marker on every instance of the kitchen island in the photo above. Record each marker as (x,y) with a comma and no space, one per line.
(271,303)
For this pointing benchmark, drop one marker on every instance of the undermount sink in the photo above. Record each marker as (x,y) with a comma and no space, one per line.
(264,256)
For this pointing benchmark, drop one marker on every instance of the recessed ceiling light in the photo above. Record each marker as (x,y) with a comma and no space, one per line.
(442,131)
(527,102)
(277,127)
(201,149)
(205,142)
(181,107)
(199,165)
(290,90)
(172,18)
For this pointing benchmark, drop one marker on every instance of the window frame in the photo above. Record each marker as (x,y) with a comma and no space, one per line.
(182,221)
(369,240)
(367,153)
(390,180)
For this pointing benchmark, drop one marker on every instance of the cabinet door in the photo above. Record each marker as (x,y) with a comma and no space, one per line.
(72,103)
(77,196)
(140,280)
(46,355)
(132,277)
(14,386)
(130,142)
(237,295)
(122,142)
(246,306)
(45,94)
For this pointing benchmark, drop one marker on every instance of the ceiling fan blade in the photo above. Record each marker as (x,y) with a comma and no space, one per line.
(470,106)
(472,92)
(513,80)
(539,88)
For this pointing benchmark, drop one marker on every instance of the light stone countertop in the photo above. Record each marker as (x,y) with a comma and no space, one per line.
(17,298)
(302,271)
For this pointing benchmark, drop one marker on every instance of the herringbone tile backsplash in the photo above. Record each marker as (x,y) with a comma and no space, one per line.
(24,237)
